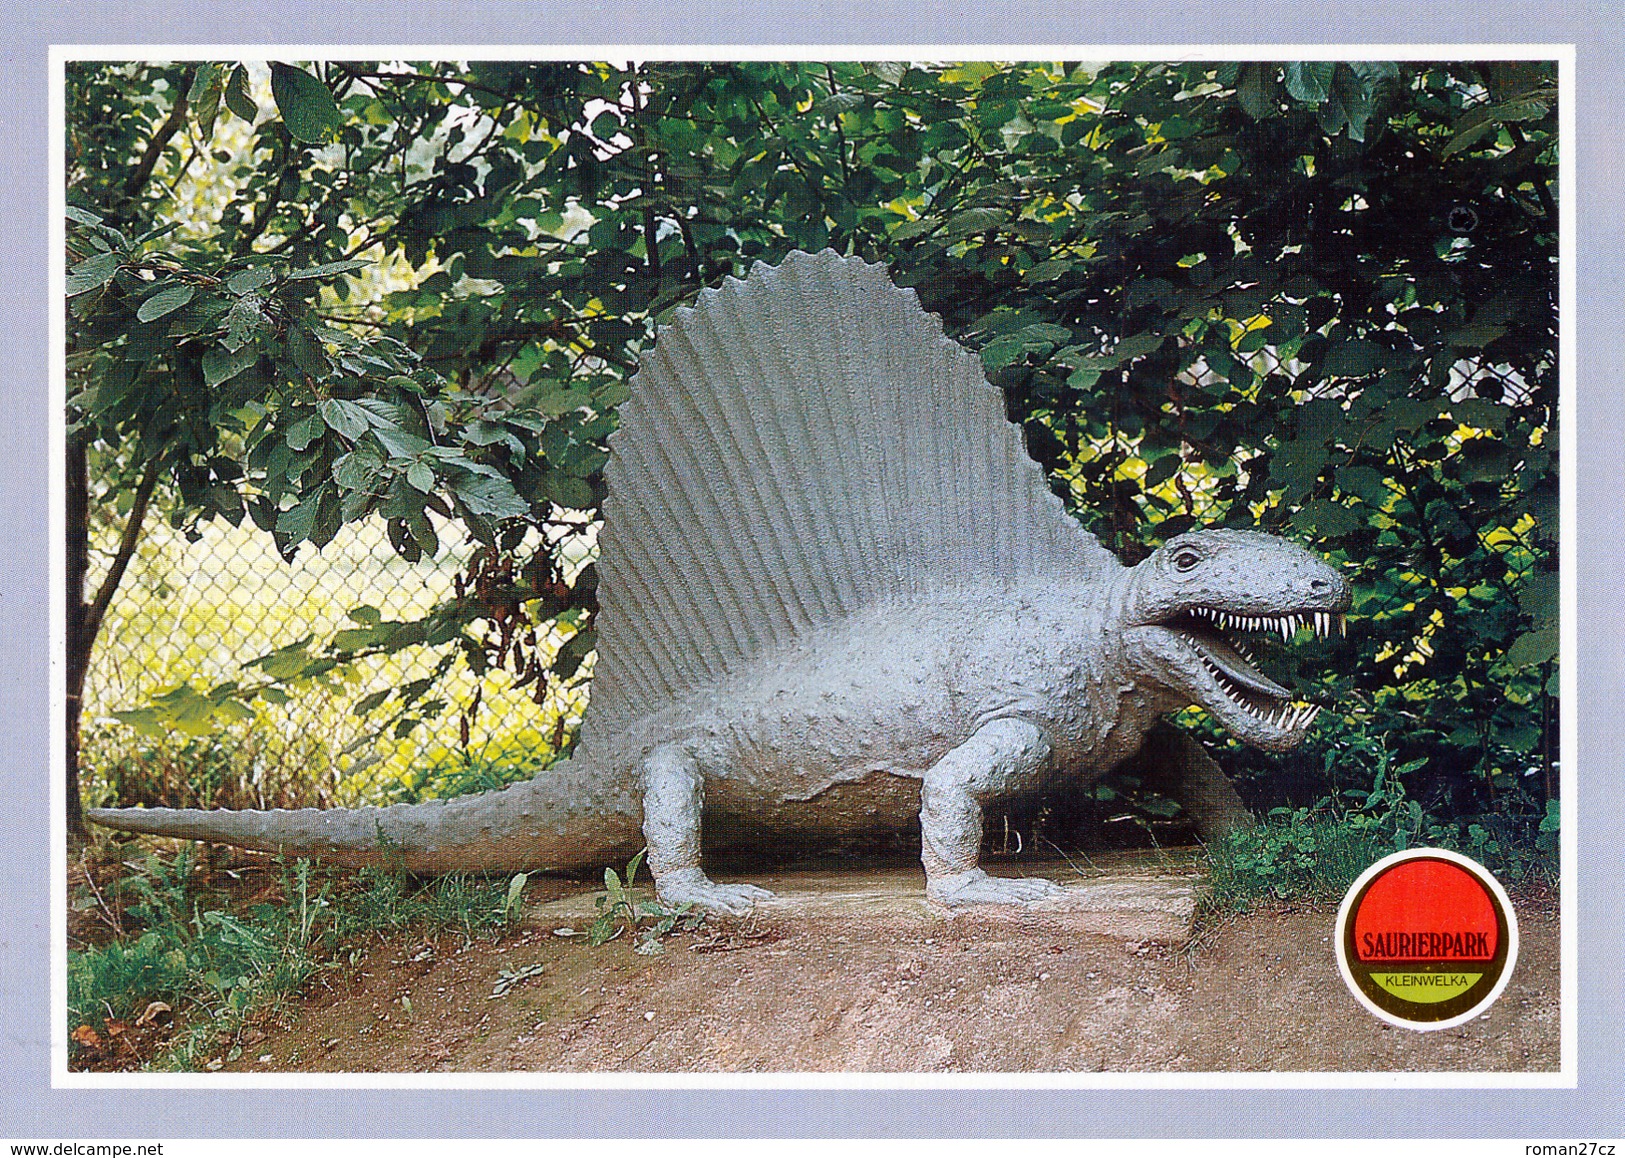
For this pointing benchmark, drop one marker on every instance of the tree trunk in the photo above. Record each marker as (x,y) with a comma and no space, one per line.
(78,645)
(85,619)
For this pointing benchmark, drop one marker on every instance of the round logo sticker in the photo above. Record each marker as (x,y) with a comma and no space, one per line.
(1426,939)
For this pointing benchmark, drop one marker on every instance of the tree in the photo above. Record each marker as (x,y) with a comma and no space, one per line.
(1319,296)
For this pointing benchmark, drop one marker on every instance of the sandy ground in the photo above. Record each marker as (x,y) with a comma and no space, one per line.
(855,988)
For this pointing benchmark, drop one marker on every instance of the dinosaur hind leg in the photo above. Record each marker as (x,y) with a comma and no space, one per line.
(1176,764)
(1002,758)
(673,798)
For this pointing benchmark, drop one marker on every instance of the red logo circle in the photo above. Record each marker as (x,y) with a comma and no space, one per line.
(1426,939)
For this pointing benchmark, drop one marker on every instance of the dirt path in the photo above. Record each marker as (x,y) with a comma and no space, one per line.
(868,991)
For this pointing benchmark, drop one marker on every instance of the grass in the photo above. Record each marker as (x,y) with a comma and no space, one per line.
(1292,855)
(218,961)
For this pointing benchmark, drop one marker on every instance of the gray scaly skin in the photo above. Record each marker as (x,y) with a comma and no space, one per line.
(835,592)
(936,704)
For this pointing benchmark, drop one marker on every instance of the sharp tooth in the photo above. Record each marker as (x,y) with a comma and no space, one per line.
(1286,628)
(1320,623)
(1342,624)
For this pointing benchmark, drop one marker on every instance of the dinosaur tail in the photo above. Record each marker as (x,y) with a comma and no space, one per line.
(569,817)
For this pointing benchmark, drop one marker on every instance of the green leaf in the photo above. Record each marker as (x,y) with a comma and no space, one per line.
(1133,346)
(399,443)
(243,322)
(329,269)
(1533,647)
(345,417)
(1326,518)
(82,216)
(165,301)
(297,522)
(238,97)
(968,221)
(567,491)
(1255,89)
(1475,336)
(1364,483)
(383,415)
(495,498)
(92,273)
(306,431)
(222,365)
(1541,597)
(1310,81)
(573,652)
(248,280)
(1468,137)
(369,702)
(307,352)
(1352,359)
(205,96)
(306,105)
(421,477)
(357,470)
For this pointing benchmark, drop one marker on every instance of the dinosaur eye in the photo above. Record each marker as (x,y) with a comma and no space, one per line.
(1186,559)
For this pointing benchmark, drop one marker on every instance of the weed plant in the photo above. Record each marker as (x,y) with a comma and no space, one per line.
(1315,853)
(220,966)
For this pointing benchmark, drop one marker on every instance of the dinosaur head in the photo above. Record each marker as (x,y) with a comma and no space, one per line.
(1190,601)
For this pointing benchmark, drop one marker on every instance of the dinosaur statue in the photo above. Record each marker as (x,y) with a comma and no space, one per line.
(835,593)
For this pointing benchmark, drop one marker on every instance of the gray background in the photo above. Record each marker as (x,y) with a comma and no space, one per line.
(30,1108)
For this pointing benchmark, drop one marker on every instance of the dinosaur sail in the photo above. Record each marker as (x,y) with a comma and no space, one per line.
(801,444)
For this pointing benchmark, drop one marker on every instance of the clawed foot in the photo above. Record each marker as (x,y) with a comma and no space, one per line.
(693,887)
(977,888)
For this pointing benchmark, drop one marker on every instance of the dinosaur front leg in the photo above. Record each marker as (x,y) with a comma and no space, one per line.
(673,796)
(1002,758)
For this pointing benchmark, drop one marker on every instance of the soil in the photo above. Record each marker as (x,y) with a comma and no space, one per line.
(856,988)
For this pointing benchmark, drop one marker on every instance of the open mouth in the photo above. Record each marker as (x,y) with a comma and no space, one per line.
(1246,700)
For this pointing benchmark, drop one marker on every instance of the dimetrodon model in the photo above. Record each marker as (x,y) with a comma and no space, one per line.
(835,592)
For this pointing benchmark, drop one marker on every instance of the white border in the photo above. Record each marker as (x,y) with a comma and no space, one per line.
(1479,873)
(1565,1076)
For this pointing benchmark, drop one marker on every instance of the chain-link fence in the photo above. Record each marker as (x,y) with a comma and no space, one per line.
(195,614)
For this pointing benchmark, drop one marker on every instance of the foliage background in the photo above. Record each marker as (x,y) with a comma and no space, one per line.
(1318,297)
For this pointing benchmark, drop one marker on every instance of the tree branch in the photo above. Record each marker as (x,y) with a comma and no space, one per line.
(160,139)
(126,551)
(840,135)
